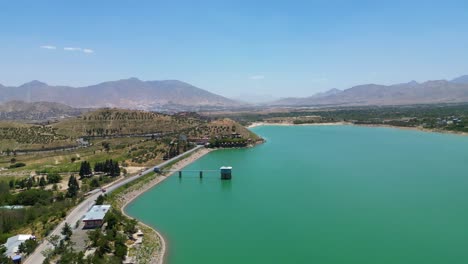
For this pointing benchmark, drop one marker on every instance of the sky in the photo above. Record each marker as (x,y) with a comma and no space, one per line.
(234,48)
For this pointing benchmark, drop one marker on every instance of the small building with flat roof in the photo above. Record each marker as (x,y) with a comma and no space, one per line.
(95,216)
(13,243)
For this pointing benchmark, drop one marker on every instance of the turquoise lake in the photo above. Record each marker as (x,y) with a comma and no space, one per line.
(319,194)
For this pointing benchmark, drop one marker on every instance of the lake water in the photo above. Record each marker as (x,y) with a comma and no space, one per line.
(320,194)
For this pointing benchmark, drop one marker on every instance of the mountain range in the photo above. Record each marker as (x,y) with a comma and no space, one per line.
(440,91)
(180,96)
(128,93)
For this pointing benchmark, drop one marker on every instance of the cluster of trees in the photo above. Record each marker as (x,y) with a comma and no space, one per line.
(85,169)
(118,230)
(109,243)
(227,142)
(40,207)
(28,246)
(32,135)
(63,251)
(177,147)
(26,197)
(38,181)
(109,167)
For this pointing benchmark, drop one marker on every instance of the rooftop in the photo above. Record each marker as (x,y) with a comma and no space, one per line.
(97,212)
(13,243)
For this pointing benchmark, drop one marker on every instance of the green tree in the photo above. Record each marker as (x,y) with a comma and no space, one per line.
(53,178)
(42,182)
(111,219)
(54,240)
(29,183)
(100,200)
(85,169)
(28,246)
(106,146)
(4,259)
(12,184)
(67,231)
(73,187)
(94,183)
(94,237)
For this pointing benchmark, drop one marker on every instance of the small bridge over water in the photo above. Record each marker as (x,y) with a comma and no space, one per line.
(225,172)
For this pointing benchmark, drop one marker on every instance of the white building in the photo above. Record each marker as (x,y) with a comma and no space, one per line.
(95,216)
(13,243)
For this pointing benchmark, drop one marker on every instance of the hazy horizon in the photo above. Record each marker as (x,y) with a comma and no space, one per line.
(292,49)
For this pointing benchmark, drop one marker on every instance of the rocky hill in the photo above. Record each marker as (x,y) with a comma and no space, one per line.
(36,111)
(119,122)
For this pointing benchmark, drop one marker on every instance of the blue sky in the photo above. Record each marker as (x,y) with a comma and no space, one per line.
(280,48)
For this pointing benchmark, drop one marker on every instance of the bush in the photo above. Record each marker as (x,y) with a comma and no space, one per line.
(17,165)
(33,197)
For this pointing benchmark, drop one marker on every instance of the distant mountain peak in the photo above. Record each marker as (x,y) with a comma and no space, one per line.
(34,83)
(132,79)
(461,79)
(332,91)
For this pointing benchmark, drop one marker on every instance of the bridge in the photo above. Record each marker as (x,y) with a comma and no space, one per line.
(225,172)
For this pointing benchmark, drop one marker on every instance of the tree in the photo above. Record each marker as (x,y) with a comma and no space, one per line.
(130,227)
(120,250)
(85,169)
(94,183)
(29,183)
(3,258)
(100,200)
(109,167)
(115,169)
(54,240)
(12,184)
(67,231)
(106,146)
(13,160)
(28,246)
(73,187)
(53,178)
(94,237)
(111,219)
(42,182)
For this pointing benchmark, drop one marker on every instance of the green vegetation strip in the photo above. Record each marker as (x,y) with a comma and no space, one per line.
(151,243)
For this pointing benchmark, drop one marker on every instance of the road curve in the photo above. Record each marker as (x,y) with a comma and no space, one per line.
(80,210)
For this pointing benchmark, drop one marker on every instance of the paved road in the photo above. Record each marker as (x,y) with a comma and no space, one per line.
(79,211)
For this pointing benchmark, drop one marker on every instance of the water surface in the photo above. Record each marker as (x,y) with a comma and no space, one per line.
(320,194)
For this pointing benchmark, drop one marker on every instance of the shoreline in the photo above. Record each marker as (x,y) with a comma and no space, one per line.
(127,198)
(257,124)
(421,129)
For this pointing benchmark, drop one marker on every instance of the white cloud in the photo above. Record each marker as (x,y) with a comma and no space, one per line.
(50,47)
(257,77)
(72,49)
